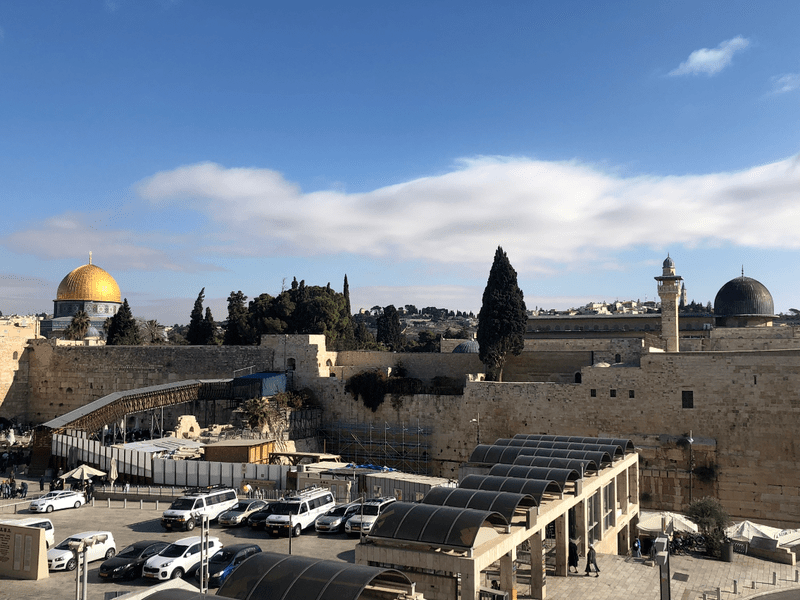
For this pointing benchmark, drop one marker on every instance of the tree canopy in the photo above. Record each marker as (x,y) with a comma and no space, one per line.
(389,331)
(502,319)
(78,327)
(195,335)
(123,330)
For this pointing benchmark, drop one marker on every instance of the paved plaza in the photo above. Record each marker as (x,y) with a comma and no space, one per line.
(620,578)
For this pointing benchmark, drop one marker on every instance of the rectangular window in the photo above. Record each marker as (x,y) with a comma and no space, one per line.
(631,394)
(593,393)
(609,504)
(687,398)
(613,393)
(593,518)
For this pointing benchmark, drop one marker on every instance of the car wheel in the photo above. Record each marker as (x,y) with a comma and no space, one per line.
(189,524)
(78,504)
(297,530)
(71,564)
(110,553)
(177,573)
(49,508)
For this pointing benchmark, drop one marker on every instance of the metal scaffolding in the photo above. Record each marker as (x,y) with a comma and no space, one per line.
(405,447)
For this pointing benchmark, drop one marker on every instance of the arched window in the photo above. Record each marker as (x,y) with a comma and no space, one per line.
(329,363)
(16,355)
(578,377)
(617,358)
(290,364)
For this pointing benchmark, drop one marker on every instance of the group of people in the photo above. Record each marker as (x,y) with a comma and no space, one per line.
(591,559)
(9,489)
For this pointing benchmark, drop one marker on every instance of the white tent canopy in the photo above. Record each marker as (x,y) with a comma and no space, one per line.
(747,530)
(655,522)
(83,473)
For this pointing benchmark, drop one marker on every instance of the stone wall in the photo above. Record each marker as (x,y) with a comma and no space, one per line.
(15,333)
(63,378)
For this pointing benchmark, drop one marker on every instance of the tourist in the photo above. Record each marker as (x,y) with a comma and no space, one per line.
(637,548)
(573,556)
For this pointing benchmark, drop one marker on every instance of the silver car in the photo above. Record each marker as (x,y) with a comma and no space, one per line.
(239,514)
(333,521)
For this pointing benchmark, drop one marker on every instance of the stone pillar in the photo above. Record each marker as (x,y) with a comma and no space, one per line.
(507,579)
(623,492)
(624,540)
(538,576)
(562,546)
(470,581)
(580,527)
(633,483)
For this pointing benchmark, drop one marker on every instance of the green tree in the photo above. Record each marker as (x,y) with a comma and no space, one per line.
(195,335)
(711,519)
(502,319)
(237,330)
(77,328)
(389,332)
(209,330)
(153,332)
(123,329)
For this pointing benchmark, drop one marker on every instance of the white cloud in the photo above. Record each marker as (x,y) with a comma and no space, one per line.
(785,83)
(710,61)
(547,215)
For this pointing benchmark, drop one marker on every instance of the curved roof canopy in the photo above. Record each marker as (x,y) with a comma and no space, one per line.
(582,466)
(613,449)
(505,503)
(532,487)
(625,444)
(492,455)
(292,577)
(562,476)
(435,525)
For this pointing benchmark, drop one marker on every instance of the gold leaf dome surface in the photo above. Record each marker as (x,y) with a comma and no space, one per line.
(89,282)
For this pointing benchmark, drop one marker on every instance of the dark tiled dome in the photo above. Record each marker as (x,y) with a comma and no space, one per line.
(468,347)
(743,296)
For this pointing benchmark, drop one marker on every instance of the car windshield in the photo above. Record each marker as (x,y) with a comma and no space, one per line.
(241,507)
(131,552)
(183,504)
(223,557)
(173,550)
(65,544)
(338,511)
(286,508)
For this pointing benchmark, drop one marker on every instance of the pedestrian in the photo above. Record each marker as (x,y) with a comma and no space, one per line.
(127,487)
(41,483)
(591,561)
(637,548)
(24,489)
(573,556)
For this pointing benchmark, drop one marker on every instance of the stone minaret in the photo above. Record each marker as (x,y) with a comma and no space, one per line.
(669,289)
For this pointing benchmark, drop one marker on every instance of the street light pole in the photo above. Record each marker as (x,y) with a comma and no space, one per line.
(477,421)
(691,464)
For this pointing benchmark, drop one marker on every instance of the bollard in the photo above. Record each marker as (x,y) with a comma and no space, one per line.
(93,503)
(719,594)
(797,576)
(735,586)
(754,584)
(141,504)
(774,578)
(156,504)
(109,502)
(705,596)
(125,503)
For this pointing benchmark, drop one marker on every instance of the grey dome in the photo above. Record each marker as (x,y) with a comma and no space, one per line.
(92,332)
(668,263)
(468,347)
(743,296)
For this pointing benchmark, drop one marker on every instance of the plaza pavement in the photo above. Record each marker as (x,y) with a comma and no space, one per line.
(620,578)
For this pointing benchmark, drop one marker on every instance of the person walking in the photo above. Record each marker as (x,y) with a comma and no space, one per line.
(591,561)
(41,483)
(573,557)
(24,489)
(637,548)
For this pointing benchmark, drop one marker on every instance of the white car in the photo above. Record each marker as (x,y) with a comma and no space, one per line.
(58,500)
(364,519)
(178,558)
(101,545)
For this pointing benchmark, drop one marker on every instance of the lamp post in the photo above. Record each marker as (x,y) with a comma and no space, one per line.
(690,439)
(477,421)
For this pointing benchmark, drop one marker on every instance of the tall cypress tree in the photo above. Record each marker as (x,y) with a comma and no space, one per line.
(195,334)
(503,317)
(208,329)
(389,332)
(123,329)
(236,329)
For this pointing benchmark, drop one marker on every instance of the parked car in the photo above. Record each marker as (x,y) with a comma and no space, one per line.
(187,511)
(225,561)
(178,558)
(61,558)
(333,521)
(40,522)
(239,514)
(299,511)
(258,520)
(57,500)
(365,518)
(128,564)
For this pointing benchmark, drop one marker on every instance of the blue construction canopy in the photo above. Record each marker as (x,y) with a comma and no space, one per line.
(271,383)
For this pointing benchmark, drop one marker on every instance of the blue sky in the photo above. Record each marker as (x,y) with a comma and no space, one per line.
(234,146)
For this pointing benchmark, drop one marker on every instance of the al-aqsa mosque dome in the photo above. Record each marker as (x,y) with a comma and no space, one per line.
(744,302)
(88,288)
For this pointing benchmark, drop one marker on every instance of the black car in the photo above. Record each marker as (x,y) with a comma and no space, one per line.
(258,520)
(128,563)
(225,561)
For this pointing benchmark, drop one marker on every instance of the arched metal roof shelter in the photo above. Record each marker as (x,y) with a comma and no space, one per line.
(492,455)
(505,503)
(625,444)
(562,476)
(175,594)
(533,487)
(613,449)
(436,525)
(292,577)
(583,466)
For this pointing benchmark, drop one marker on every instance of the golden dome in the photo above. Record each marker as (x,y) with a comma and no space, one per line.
(89,282)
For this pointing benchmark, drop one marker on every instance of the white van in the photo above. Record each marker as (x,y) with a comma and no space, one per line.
(299,511)
(40,522)
(187,511)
